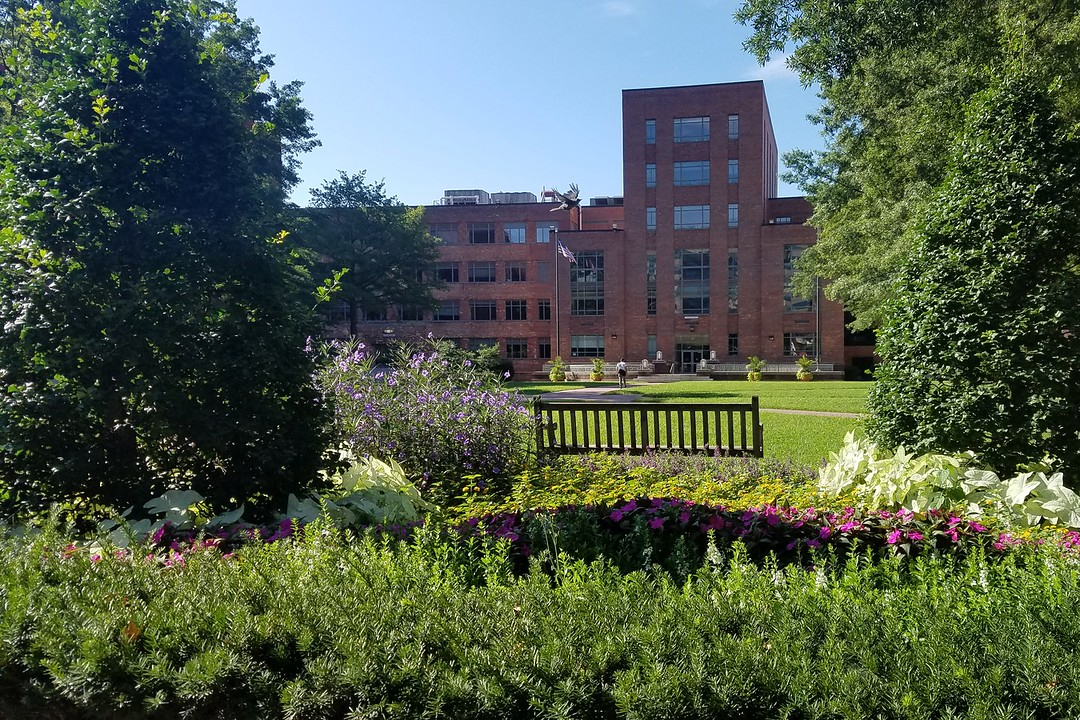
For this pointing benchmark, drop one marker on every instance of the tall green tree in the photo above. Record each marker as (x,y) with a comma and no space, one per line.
(894,78)
(981,341)
(384,246)
(151,316)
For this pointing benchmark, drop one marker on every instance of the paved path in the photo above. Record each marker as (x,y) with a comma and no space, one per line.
(587,394)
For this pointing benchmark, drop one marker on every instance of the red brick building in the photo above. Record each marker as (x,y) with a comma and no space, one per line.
(693,261)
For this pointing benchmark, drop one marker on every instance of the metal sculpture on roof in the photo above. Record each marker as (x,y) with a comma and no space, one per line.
(569,200)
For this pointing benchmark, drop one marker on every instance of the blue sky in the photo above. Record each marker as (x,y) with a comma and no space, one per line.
(501,95)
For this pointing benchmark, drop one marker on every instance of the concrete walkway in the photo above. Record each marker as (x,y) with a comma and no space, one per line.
(606,394)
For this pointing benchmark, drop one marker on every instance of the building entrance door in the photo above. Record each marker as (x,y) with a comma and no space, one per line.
(688,355)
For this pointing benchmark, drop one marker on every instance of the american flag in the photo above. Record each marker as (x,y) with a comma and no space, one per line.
(566,253)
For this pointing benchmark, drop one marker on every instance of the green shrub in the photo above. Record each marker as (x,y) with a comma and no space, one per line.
(334,627)
(980,347)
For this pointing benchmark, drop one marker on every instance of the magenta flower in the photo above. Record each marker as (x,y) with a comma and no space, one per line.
(976,527)
(894,537)
(656,523)
(684,517)
(915,535)
(825,532)
(813,542)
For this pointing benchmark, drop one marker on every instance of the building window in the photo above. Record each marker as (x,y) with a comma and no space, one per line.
(477,343)
(692,282)
(650,347)
(517,349)
(482,272)
(791,302)
(587,284)
(482,310)
(515,272)
(692,129)
(733,215)
(375,315)
(692,173)
(733,127)
(448,310)
(733,344)
(544,232)
(782,220)
(733,171)
(515,310)
(650,283)
(481,233)
(733,281)
(514,233)
(586,346)
(543,349)
(337,312)
(543,309)
(650,218)
(689,217)
(410,313)
(650,132)
(796,344)
(650,175)
(447,272)
(447,232)
(543,271)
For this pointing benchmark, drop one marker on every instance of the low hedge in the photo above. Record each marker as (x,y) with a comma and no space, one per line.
(333,626)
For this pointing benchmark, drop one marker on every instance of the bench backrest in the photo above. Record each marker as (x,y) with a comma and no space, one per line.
(635,427)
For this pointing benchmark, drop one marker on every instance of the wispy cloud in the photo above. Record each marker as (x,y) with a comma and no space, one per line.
(776,70)
(619,8)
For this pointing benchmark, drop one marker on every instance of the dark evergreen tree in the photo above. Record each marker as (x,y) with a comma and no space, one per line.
(981,341)
(384,247)
(152,320)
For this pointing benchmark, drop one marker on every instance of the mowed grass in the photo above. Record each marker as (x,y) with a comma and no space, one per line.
(830,396)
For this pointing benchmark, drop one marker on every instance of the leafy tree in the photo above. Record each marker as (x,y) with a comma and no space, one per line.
(981,342)
(151,316)
(384,246)
(894,78)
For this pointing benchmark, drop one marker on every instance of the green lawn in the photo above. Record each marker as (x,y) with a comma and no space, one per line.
(838,396)
(539,387)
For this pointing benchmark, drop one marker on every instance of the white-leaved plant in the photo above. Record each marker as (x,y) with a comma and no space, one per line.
(952,482)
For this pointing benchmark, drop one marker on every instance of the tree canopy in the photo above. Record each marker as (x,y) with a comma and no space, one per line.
(384,247)
(894,78)
(981,341)
(151,316)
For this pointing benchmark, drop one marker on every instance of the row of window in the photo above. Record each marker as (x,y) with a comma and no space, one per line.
(691,129)
(483,233)
(481,310)
(692,217)
(484,271)
(689,174)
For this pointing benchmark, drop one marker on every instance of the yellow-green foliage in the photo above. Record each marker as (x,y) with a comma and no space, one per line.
(609,479)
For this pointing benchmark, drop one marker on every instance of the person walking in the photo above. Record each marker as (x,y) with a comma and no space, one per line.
(621,367)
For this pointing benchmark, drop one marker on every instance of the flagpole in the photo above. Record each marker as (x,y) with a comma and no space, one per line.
(558,303)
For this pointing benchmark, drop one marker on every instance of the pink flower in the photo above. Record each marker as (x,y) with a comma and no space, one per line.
(894,537)
(915,535)
(825,532)
(849,526)
(976,527)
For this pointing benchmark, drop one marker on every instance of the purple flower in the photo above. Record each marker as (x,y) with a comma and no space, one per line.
(825,532)
(616,515)
(656,523)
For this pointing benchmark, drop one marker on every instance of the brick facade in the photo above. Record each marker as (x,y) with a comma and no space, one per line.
(702,162)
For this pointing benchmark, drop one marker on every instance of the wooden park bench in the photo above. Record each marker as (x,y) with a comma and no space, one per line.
(636,427)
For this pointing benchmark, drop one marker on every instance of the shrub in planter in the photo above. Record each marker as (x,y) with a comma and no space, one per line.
(597,373)
(441,418)
(804,363)
(754,365)
(558,370)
